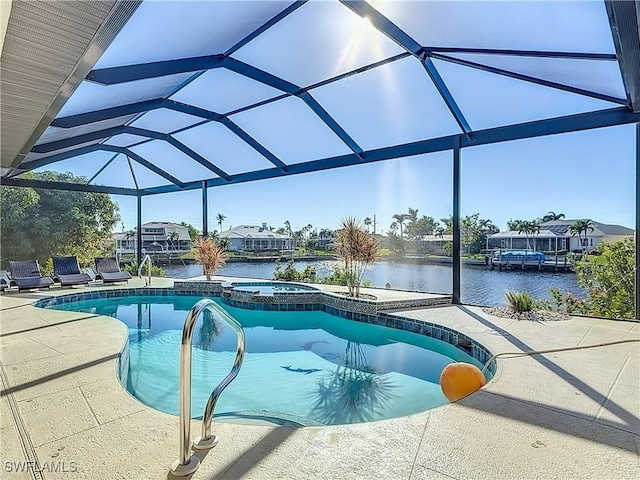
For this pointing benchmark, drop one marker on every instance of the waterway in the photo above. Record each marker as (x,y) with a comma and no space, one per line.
(479,285)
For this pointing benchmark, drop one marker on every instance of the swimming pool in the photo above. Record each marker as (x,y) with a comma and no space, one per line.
(300,367)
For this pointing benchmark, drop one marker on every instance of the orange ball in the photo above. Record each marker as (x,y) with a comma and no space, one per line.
(461,379)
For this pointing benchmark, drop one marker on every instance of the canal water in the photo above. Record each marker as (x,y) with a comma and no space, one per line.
(480,285)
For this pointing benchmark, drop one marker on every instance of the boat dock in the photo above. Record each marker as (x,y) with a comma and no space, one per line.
(555,265)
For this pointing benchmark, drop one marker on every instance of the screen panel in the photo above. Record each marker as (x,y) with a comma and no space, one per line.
(125,140)
(165,121)
(167,30)
(51,134)
(291,131)
(222,91)
(600,76)
(222,147)
(173,161)
(318,41)
(91,96)
(488,100)
(116,174)
(85,165)
(575,26)
(411,108)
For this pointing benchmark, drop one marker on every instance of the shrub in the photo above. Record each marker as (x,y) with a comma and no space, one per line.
(609,280)
(520,301)
(291,274)
(358,249)
(132,268)
(210,254)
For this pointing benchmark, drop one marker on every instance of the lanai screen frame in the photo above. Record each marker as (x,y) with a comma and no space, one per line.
(623,18)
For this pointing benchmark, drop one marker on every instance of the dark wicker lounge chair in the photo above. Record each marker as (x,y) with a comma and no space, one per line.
(108,270)
(26,275)
(67,272)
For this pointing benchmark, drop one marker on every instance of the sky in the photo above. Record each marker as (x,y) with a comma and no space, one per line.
(583,175)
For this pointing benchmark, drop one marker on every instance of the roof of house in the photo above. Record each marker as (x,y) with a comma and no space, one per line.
(434,238)
(252,231)
(615,229)
(544,233)
(168,227)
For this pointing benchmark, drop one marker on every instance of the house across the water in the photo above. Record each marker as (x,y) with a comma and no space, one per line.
(555,236)
(156,237)
(256,238)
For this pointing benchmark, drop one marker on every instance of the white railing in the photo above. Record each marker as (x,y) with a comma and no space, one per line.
(146,259)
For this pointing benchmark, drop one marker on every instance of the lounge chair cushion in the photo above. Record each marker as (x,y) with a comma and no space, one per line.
(67,271)
(26,275)
(108,270)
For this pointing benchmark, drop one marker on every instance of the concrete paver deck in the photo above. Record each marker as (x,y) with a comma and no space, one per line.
(563,415)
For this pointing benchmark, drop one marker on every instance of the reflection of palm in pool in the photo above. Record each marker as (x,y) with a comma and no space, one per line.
(309,345)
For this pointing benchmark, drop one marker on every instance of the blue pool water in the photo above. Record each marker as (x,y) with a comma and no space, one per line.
(309,368)
(269,288)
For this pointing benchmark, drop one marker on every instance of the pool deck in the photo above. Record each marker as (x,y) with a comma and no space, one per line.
(561,415)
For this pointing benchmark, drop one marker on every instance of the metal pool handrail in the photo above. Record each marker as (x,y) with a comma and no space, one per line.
(187,464)
(146,259)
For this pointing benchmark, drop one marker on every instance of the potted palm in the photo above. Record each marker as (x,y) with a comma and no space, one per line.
(210,255)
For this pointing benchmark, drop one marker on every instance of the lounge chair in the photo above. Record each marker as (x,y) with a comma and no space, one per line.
(108,270)
(67,271)
(26,275)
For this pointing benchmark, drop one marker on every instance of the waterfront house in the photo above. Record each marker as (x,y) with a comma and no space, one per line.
(555,236)
(156,237)
(429,244)
(253,238)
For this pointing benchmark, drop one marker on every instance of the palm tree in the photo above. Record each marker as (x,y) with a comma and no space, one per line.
(367,223)
(448,224)
(401,218)
(132,234)
(522,226)
(534,229)
(487,226)
(220,218)
(412,216)
(393,228)
(580,226)
(287,228)
(552,216)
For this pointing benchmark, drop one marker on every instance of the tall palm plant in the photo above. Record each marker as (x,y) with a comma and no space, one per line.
(400,218)
(552,216)
(367,222)
(522,226)
(534,229)
(131,234)
(220,218)
(582,226)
